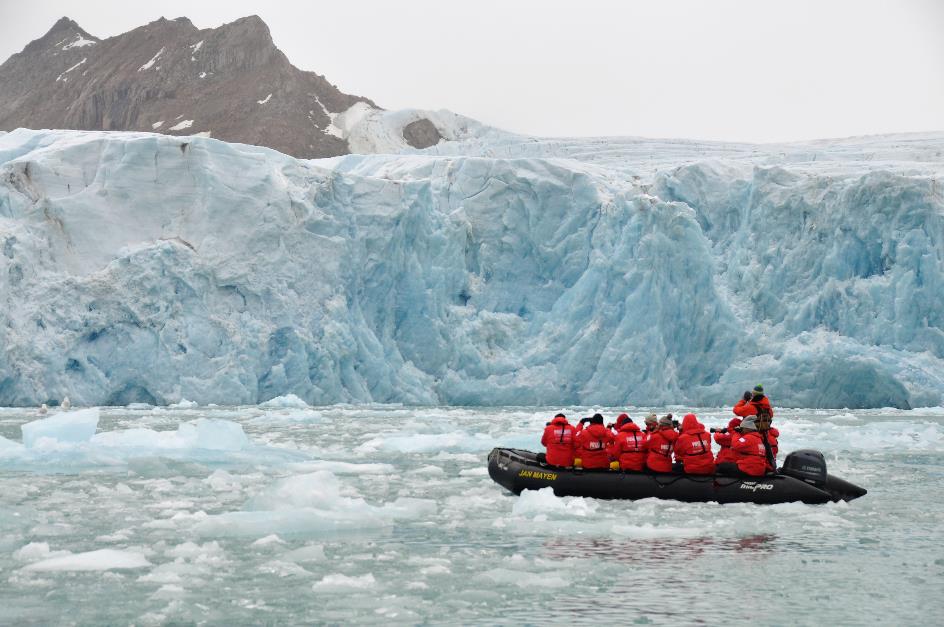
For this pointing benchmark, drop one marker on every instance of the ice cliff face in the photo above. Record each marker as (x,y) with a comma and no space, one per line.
(136,267)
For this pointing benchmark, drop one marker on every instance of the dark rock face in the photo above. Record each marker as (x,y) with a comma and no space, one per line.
(171,77)
(421,134)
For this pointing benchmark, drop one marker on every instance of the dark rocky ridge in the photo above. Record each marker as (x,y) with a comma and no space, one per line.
(73,80)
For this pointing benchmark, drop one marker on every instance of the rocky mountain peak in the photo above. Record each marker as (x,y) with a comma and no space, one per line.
(168,76)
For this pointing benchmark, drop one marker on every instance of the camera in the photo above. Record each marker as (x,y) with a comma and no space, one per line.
(721,430)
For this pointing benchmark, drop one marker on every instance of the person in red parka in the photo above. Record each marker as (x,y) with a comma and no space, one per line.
(693,448)
(760,402)
(559,438)
(751,458)
(593,444)
(723,440)
(620,421)
(630,447)
(659,458)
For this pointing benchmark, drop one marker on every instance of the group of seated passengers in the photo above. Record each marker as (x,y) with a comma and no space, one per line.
(748,445)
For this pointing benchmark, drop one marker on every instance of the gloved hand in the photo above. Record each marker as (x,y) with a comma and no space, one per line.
(748,395)
(584,421)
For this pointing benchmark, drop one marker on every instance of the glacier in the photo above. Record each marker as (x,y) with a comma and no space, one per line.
(491,269)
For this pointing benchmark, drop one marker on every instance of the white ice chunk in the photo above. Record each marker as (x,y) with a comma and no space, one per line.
(202,433)
(35,551)
(543,502)
(310,503)
(269,540)
(288,401)
(184,404)
(102,559)
(265,100)
(341,583)
(9,446)
(76,426)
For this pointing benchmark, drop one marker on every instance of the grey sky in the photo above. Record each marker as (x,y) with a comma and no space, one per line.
(752,70)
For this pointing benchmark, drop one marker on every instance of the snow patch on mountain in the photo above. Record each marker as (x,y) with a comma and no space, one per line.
(369,130)
(149,64)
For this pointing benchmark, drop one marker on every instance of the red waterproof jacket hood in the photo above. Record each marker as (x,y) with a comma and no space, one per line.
(690,424)
(559,420)
(629,426)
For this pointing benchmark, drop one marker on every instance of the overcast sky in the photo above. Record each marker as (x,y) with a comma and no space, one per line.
(751,70)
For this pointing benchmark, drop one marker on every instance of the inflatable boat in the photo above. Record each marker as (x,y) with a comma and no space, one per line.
(802,478)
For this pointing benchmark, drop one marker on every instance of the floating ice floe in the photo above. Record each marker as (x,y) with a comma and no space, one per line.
(102,559)
(309,504)
(287,401)
(66,427)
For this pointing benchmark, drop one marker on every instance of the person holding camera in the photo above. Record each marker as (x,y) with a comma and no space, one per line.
(693,448)
(756,404)
(559,439)
(593,443)
(659,458)
(750,454)
(753,403)
(630,448)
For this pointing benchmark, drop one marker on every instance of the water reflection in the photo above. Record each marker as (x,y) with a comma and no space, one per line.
(652,549)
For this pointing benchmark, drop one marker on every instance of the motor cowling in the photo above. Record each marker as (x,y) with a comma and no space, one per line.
(806,465)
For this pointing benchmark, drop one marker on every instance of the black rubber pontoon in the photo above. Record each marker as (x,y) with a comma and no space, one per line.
(519,470)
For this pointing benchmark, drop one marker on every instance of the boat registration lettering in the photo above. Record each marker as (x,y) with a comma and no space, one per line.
(538,474)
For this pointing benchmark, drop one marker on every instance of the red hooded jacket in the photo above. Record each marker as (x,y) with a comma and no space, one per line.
(593,445)
(745,408)
(753,407)
(630,447)
(559,438)
(749,450)
(660,442)
(693,447)
(725,454)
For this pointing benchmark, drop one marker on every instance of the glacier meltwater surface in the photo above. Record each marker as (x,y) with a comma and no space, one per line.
(490,270)
(295,515)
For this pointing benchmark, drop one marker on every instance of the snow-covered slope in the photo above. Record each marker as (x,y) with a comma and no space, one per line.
(138,267)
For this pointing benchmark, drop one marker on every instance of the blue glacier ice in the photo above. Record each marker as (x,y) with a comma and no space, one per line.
(495,269)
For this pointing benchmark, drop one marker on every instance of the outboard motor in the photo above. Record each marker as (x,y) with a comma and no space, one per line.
(806,465)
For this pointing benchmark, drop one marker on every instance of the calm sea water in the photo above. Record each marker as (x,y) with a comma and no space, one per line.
(386,514)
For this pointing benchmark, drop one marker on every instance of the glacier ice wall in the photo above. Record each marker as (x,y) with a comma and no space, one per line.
(144,268)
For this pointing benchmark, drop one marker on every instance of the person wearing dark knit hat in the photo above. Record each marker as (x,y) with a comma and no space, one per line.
(593,444)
